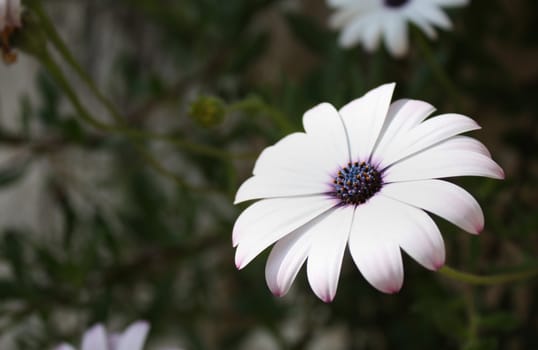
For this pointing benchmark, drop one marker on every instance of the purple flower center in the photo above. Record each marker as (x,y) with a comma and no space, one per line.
(395,3)
(356,183)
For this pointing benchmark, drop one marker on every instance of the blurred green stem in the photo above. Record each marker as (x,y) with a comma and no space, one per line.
(436,68)
(62,48)
(488,280)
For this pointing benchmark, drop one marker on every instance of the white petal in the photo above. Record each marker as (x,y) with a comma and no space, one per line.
(134,337)
(428,133)
(287,257)
(451,3)
(280,185)
(268,220)
(64,346)
(371,33)
(325,126)
(414,231)
(95,338)
(446,159)
(296,165)
(435,15)
(364,118)
(424,25)
(441,198)
(403,115)
(301,164)
(375,252)
(396,36)
(354,31)
(327,251)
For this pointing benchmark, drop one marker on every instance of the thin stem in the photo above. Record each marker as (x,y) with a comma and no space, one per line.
(64,51)
(488,280)
(437,69)
(59,76)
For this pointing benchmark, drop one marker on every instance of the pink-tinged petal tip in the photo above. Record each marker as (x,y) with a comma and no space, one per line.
(438,265)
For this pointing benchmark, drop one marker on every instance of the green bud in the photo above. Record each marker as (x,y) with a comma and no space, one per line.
(208,111)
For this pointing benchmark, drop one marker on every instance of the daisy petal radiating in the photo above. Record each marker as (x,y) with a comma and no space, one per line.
(402,116)
(134,337)
(324,124)
(396,36)
(436,16)
(95,338)
(443,160)
(364,118)
(376,176)
(375,253)
(327,251)
(415,232)
(441,198)
(289,168)
(266,221)
(286,259)
(428,133)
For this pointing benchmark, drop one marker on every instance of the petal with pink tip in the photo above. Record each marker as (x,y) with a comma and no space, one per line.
(327,248)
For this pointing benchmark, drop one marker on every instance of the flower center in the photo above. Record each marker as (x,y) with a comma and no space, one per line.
(356,183)
(395,3)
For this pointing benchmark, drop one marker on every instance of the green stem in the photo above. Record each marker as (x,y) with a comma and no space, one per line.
(437,69)
(488,280)
(64,51)
(59,76)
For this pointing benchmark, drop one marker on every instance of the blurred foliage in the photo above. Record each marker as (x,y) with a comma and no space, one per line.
(139,227)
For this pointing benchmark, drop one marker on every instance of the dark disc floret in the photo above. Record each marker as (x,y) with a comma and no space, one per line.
(395,3)
(356,183)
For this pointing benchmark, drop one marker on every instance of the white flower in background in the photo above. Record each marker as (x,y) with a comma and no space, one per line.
(361,176)
(97,338)
(367,21)
(10,14)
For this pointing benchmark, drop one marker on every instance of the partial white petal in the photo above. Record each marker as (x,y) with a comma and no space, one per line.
(95,338)
(441,198)
(403,115)
(268,220)
(299,164)
(428,133)
(446,159)
(424,25)
(396,36)
(435,15)
(134,337)
(371,33)
(364,118)
(327,251)
(414,231)
(451,3)
(286,259)
(280,185)
(353,32)
(325,126)
(375,252)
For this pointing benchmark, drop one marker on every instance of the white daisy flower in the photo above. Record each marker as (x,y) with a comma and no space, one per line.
(366,21)
(97,338)
(361,176)
(10,14)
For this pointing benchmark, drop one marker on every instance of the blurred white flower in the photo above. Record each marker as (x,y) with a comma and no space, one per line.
(366,21)
(97,338)
(363,175)
(10,14)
